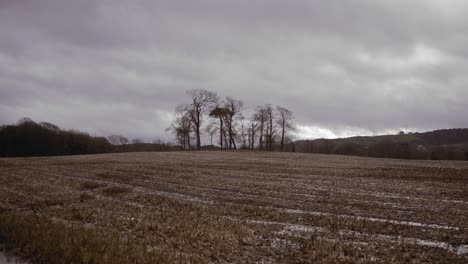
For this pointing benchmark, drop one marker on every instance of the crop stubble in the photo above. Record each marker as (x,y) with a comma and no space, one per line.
(235,207)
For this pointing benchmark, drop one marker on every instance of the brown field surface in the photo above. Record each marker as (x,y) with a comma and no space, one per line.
(233,207)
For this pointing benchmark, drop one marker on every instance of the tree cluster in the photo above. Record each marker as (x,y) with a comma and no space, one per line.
(28,138)
(268,128)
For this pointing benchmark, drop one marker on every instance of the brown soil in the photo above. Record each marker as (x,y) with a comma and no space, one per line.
(231,207)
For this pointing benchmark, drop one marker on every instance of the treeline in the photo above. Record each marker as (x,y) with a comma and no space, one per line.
(28,138)
(222,120)
(449,144)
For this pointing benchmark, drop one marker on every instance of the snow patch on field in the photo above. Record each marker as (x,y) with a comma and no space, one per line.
(291,229)
(396,196)
(182,197)
(462,250)
(372,219)
(282,243)
(459,250)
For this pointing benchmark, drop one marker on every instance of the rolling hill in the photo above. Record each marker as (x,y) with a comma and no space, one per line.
(449,144)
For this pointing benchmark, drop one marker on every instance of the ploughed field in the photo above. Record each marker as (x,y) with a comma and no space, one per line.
(231,207)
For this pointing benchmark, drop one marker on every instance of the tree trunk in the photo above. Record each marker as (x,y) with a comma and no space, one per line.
(260,139)
(226,144)
(221,131)
(233,143)
(282,136)
(271,132)
(230,131)
(198,131)
(253,139)
(248,137)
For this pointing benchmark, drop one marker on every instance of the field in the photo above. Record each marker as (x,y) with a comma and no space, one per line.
(234,207)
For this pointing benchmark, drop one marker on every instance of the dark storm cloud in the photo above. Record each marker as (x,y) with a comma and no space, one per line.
(344,67)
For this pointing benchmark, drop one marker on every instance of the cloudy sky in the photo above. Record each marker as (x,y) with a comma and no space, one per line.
(344,67)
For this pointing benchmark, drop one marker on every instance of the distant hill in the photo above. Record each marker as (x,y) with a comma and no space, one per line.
(446,144)
(28,138)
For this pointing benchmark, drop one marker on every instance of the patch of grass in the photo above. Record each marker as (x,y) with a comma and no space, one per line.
(45,241)
(116,190)
(91,185)
(46,203)
(114,177)
(85,197)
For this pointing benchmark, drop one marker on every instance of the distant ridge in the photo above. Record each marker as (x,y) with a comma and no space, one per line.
(444,144)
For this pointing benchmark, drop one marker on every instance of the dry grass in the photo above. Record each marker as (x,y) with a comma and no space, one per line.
(220,207)
(116,190)
(91,185)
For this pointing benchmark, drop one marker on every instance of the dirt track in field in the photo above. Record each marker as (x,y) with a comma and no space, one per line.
(272,204)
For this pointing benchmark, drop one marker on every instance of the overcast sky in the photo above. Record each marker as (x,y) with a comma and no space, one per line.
(343,67)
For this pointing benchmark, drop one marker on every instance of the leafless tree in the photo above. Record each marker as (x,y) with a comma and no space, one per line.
(182,126)
(50,126)
(234,108)
(244,133)
(25,120)
(263,122)
(284,121)
(202,101)
(270,133)
(260,117)
(157,141)
(117,140)
(253,127)
(267,125)
(212,129)
(137,141)
(220,113)
(251,133)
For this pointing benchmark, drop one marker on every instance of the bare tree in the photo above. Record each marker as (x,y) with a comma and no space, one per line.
(212,129)
(263,122)
(234,108)
(137,141)
(270,126)
(182,127)
(220,113)
(157,141)
(50,126)
(117,140)
(251,130)
(260,117)
(267,125)
(25,120)
(244,133)
(253,127)
(202,101)
(284,121)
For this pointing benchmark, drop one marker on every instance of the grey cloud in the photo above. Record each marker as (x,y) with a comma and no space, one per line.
(343,67)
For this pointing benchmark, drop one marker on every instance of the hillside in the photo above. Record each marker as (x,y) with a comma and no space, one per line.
(449,144)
